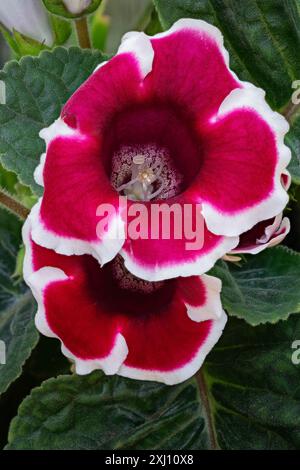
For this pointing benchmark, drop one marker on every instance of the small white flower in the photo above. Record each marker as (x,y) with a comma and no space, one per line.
(76,6)
(27,17)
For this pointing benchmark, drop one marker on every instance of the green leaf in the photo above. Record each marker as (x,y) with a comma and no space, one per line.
(21,44)
(266,288)
(293,141)
(17,307)
(95,412)
(263,38)
(36,89)
(154,26)
(57,7)
(246,397)
(254,386)
(62,29)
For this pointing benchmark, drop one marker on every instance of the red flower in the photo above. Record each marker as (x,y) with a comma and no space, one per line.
(108,319)
(267,233)
(172,99)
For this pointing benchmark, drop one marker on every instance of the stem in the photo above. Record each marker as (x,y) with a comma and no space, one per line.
(83,33)
(14,206)
(207,410)
(291,110)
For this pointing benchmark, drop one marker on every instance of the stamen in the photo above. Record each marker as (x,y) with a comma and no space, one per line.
(142,178)
(145,172)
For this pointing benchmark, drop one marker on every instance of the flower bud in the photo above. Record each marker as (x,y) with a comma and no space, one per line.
(76,6)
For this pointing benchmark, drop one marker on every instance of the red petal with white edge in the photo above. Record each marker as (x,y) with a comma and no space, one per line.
(75,185)
(104,325)
(264,235)
(191,68)
(245,156)
(158,259)
(267,233)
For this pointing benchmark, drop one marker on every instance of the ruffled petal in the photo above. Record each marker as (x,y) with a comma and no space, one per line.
(160,334)
(113,86)
(191,68)
(264,235)
(245,156)
(67,311)
(267,233)
(159,259)
(75,185)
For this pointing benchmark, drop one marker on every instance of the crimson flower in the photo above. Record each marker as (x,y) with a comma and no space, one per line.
(206,137)
(165,122)
(108,319)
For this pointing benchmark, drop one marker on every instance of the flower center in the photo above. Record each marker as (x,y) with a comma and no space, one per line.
(145,172)
(128,281)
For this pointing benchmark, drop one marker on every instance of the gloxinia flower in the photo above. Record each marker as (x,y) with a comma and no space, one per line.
(267,233)
(206,138)
(108,319)
(28,18)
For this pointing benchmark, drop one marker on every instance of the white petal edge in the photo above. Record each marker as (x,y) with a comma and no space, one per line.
(38,281)
(181,374)
(140,46)
(103,251)
(212,309)
(252,98)
(57,129)
(274,234)
(203,264)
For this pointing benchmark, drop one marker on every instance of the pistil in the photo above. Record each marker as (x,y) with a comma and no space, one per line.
(143,177)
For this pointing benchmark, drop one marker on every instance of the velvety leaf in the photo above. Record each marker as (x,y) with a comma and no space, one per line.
(96,412)
(263,38)
(265,288)
(17,307)
(254,386)
(36,89)
(246,397)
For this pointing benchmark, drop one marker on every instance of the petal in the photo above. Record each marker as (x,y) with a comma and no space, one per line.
(177,252)
(171,346)
(174,355)
(102,326)
(111,88)
(207,306)
(191,68)
(263,235)
(59,285)
(76,184)
(245,156)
